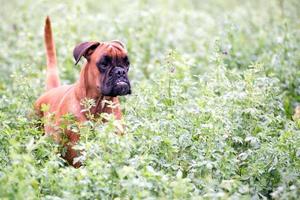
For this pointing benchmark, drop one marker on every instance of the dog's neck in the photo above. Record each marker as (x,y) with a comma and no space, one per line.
(83,89)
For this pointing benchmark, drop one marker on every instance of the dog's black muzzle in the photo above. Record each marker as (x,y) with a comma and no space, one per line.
(118,84)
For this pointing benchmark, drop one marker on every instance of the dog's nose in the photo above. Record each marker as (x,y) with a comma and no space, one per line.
(120,72)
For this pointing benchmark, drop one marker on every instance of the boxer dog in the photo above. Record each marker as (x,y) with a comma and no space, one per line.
(102,78)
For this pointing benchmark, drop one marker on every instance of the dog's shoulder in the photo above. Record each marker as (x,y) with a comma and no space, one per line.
(47,98)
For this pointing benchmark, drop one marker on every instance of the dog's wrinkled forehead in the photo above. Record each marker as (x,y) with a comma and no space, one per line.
(111,53)
(113,48)
(94,49)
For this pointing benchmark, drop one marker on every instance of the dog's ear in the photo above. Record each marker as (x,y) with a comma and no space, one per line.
(84,49)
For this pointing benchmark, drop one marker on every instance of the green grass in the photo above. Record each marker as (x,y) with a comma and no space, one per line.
(215,84)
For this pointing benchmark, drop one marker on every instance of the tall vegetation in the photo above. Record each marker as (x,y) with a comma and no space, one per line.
(215,84)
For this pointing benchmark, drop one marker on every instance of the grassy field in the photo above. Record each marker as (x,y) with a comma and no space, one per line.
(215,85)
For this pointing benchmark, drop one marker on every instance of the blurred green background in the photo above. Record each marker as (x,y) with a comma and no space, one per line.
(215,85)
(250,31)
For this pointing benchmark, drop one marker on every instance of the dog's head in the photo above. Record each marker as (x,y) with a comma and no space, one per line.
(108,65)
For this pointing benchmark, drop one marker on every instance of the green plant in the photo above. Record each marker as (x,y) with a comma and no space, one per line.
(214,88)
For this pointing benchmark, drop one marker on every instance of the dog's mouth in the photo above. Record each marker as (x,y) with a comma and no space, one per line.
(120,87)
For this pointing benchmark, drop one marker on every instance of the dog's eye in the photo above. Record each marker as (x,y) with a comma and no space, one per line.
(103,66)
(104,62)
(126,61)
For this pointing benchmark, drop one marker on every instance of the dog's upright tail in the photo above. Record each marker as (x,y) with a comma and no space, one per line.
(52,79)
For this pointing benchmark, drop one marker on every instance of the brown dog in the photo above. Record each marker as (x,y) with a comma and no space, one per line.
(102,77)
